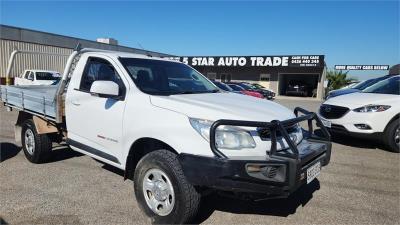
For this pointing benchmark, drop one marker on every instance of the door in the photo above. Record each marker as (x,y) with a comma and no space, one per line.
(25,79)
(95,123)
(19,80)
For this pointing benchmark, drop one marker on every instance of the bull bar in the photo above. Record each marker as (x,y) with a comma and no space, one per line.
(273,127)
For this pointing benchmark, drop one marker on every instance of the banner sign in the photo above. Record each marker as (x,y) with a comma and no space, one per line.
(361,67)
(254,61)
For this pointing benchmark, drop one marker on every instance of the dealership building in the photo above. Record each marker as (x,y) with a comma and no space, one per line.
(273,72)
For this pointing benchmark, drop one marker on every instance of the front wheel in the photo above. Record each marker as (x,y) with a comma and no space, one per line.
(162,190)
(391,136)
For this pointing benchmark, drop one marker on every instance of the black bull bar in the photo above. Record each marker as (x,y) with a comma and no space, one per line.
(273,127)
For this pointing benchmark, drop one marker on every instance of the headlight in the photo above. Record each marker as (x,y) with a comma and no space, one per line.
(372,108)
(226,137)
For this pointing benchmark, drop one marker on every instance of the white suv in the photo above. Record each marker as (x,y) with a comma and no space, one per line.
(374,112)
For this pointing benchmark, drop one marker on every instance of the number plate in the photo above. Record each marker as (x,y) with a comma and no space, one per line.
(313,172)
(326,123)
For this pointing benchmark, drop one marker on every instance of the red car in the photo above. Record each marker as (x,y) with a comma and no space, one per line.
(236,87)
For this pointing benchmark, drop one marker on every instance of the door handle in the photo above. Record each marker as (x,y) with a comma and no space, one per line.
(75,103)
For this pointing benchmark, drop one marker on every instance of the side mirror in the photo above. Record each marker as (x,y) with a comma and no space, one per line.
(105,89)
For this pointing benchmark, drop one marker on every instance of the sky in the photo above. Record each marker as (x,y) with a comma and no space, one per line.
(346,32)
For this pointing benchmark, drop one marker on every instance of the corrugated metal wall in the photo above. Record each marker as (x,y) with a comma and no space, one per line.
(29,61)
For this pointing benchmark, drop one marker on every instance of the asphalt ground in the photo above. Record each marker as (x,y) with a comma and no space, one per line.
(361,185)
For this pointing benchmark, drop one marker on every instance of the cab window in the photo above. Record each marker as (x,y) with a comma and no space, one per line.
(100,69)
(30,76)
(26,74)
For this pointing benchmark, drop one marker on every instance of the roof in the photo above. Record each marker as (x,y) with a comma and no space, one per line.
(45,71)
(51,39)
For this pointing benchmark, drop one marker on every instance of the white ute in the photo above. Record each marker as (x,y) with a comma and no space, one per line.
(372,113)
(171,130)
(37,77)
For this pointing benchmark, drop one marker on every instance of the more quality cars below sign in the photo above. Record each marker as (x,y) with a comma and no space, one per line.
(361,67)
(254,61)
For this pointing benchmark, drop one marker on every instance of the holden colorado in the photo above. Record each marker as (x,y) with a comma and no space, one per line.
(172,131)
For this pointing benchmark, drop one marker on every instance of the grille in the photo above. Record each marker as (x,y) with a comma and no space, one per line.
(332,111)
(265,133)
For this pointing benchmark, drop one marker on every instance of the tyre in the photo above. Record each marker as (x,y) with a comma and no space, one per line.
(162,190)
(36,146)
(391,136)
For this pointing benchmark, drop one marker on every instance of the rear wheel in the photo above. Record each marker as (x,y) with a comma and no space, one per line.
(36,146)
(162,191)
(391,136)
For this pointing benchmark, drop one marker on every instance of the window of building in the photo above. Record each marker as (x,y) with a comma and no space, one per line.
(211,75)
(265,77)
(226,77)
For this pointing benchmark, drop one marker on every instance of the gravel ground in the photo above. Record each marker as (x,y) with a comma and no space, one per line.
(359,186)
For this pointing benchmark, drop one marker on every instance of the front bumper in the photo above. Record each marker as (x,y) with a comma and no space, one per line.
(233,174)
(347,123)
(268,95)
(336,129)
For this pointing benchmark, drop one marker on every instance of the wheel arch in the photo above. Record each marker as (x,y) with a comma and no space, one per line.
(140,148)
(397,116)
(22,117)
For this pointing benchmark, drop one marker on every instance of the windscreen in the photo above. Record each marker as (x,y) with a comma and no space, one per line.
(157,77)
(246,86)
(388,86)
(259,86)
(365,84)
(46,76)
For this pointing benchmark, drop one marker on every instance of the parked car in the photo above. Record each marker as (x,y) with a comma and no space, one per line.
(268,94)
(248,87)
(170,130)
(371,113)
(238,88)
(356,88)
(297,87)
(37,77)
(262,87)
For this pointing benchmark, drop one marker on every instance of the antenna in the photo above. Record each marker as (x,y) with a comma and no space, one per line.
(147,52)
